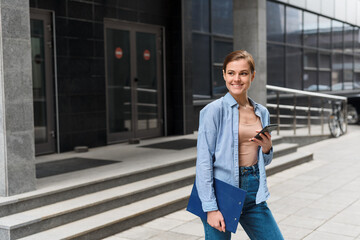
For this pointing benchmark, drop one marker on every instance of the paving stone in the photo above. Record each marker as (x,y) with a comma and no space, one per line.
(316,213)
(163,223)
(173,236)
(294,232)
(139,232)
(191,228)
(326,236)
(182,215)
(303,222)
(340,228)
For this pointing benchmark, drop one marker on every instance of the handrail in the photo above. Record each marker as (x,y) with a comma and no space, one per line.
(287,93)
(323,95)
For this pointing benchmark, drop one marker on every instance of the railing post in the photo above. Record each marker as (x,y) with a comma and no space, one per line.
(322,116)
(309,115)
(294,121)
(345,115)
(278,112)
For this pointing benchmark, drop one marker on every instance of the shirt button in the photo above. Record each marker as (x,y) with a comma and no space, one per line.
(235,219)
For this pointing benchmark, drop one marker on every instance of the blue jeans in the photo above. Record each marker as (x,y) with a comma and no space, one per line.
(256,219)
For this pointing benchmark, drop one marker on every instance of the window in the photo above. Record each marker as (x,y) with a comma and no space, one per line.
(315,53)
(293,25)
(221,49)
(275,22)
(201,71)
(212,40)
(293,68)
(200,15)
(310,29)
(275,65)
(348,38)
(348,72)
(337,35)
(324,32)
(337,72)
(222,17)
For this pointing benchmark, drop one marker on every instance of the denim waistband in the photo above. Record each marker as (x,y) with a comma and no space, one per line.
(251,169)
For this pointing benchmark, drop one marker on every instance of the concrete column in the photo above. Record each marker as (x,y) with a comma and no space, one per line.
(17,161)
(250,34)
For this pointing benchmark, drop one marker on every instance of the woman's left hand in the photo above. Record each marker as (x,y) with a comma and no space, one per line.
(265,141)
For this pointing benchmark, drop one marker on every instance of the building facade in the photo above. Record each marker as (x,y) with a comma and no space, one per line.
(109,71)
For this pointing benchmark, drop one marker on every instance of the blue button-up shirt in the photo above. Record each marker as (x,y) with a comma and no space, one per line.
(218,152)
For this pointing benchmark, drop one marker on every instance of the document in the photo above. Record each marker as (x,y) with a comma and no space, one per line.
(230,202)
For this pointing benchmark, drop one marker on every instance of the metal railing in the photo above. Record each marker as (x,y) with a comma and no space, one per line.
(295,109)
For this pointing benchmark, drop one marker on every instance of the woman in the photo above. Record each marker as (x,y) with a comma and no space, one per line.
(228,151)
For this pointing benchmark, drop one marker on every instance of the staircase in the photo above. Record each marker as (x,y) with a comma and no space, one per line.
(107,205)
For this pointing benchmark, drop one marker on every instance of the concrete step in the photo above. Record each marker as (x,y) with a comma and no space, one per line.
(87,183)
(53,215)
(116,220)
(285,162)
(284,149)
(276,139)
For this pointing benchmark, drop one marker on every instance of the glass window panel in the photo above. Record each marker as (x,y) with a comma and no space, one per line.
(309,79)
(337,73)
(310,59)
(325,61)
(39,80)
(357,40)
(293,25)
(275,22)
(324,32)
(348,38)
(293,68)
(348,72)
(219,86)
(147,94)
(357,63)
(357,80)
(324,81)
(201,65)
(275,65)
(222,16)
(200,15)
(337,35)
(310,29)
(221,50)
(118,80)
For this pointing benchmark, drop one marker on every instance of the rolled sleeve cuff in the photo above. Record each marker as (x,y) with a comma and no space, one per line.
(268,156)
(209,206)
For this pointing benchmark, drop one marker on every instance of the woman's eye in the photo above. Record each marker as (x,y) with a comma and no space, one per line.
(243,74)
(231,73)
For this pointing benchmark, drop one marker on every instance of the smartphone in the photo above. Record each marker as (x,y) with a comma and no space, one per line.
(268,128)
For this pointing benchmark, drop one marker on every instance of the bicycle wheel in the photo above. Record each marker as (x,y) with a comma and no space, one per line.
(334,126)
(342,122)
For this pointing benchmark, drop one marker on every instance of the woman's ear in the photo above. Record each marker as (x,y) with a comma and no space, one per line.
(223,74)
(253,76)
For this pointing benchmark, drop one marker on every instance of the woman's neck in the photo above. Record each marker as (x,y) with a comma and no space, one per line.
(242,100)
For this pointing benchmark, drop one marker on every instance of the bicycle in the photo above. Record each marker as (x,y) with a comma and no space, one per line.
(337,121)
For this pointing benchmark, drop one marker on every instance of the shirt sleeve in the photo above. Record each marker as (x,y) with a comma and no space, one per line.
(269,156)
(206,145)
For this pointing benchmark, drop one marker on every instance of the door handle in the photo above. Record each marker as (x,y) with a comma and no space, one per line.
(136,79)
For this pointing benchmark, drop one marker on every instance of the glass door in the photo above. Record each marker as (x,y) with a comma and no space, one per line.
(133,68)
(42,77)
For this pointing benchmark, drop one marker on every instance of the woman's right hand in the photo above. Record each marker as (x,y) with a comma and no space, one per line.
(216,220)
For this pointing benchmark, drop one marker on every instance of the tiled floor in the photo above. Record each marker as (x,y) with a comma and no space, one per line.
(318,200)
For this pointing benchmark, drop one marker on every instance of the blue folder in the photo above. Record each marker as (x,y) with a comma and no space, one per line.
(230,202)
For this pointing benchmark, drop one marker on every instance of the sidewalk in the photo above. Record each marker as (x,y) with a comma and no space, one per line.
(319,200)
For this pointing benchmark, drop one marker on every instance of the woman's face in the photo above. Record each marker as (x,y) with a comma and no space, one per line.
(238,77)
